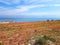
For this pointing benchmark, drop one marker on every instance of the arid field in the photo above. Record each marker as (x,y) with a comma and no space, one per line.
(26,33)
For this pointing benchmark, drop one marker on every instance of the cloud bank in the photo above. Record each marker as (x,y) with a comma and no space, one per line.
(29,7)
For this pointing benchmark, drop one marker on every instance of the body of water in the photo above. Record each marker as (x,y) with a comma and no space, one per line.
(26,19)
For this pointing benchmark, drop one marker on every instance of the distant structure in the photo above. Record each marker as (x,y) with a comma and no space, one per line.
(5,22)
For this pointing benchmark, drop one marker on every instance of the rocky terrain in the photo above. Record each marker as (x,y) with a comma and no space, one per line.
(20,33)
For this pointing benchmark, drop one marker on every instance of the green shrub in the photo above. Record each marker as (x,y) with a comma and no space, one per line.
(52,39)
(42,40)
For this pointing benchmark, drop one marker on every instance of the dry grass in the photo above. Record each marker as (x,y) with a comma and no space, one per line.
(19,32)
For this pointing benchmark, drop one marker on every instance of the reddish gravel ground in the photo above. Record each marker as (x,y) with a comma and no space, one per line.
(17,33)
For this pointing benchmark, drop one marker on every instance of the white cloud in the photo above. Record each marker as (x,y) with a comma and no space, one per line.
(10,2)
(5,2)
(25,9)
(16,1)
(36,1)
(19,9)
(30,6)
(55,5)
(2,8)
(41,13)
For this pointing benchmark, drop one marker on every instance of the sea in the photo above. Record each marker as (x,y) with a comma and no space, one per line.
(26,19)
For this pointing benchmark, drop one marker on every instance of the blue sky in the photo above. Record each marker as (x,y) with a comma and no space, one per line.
(30,8)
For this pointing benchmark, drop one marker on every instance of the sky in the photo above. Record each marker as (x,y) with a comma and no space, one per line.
(29,8)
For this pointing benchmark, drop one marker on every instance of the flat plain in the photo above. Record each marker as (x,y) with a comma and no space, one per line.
(18,33)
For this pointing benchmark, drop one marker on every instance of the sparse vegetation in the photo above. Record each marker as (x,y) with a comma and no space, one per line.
(21,31)
(41,40)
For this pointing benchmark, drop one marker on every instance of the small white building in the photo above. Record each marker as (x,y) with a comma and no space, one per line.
(5,22)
